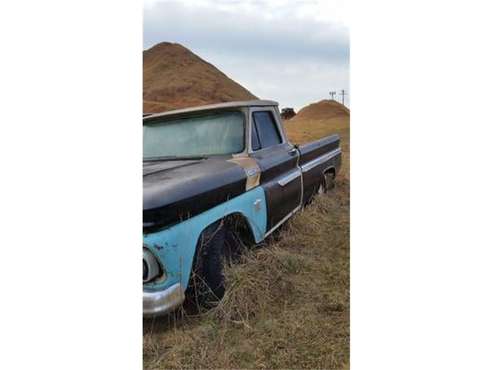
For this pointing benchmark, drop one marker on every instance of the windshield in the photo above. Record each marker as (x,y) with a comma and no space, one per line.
(208,134)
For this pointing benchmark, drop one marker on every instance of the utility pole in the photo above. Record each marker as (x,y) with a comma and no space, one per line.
(343,93)
(332,94)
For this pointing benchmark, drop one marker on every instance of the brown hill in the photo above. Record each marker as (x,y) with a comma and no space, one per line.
(323,109)
(318,120)
(174,78)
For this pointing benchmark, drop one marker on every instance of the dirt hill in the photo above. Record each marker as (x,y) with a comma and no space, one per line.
(318,120)
(323,109)
(174,78)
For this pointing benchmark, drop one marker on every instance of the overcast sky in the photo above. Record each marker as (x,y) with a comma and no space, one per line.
(291,51)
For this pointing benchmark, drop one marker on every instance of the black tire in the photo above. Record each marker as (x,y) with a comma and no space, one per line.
(329,181)
(207,280)
(233,246)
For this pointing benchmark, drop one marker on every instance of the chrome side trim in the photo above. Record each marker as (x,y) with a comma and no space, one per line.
(282,221)
(317,161)
(162,302)
(290,177)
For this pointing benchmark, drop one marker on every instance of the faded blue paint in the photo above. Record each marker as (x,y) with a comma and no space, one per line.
(175,246)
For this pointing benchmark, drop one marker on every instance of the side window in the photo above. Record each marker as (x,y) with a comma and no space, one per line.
(265,128)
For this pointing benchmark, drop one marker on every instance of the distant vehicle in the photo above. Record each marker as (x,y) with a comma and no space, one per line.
(216,174)
(287,113)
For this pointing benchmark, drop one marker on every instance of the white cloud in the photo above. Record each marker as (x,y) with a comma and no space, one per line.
(290,51)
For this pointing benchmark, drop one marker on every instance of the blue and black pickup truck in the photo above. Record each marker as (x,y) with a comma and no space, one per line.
(215,175)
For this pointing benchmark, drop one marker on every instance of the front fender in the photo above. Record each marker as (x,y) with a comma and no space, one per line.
(175,246)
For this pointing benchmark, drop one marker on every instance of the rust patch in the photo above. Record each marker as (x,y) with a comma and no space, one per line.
(251,168)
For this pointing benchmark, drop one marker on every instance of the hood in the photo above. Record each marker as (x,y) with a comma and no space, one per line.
(175,190)
(151,168)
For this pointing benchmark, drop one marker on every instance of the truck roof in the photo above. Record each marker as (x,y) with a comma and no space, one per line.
(234,104)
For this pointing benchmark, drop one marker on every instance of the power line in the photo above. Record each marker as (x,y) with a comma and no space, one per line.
(332,94)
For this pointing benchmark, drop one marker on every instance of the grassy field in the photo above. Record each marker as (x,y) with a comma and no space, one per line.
(286,304)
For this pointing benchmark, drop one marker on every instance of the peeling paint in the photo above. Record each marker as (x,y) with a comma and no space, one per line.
(252,170)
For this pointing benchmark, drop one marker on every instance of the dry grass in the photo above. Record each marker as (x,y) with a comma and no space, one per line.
(286,304)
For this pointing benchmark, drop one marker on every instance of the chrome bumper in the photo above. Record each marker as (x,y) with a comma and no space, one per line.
(160,303)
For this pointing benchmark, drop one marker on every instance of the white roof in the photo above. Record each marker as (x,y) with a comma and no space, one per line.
(234,104)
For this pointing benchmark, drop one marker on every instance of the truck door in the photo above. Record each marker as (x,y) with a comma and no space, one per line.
(278,161)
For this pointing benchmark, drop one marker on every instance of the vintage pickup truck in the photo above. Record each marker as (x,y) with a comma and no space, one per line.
(213,172)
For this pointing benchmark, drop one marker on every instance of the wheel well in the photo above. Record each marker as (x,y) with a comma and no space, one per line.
(331,170)
(238,224)
(240,228)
